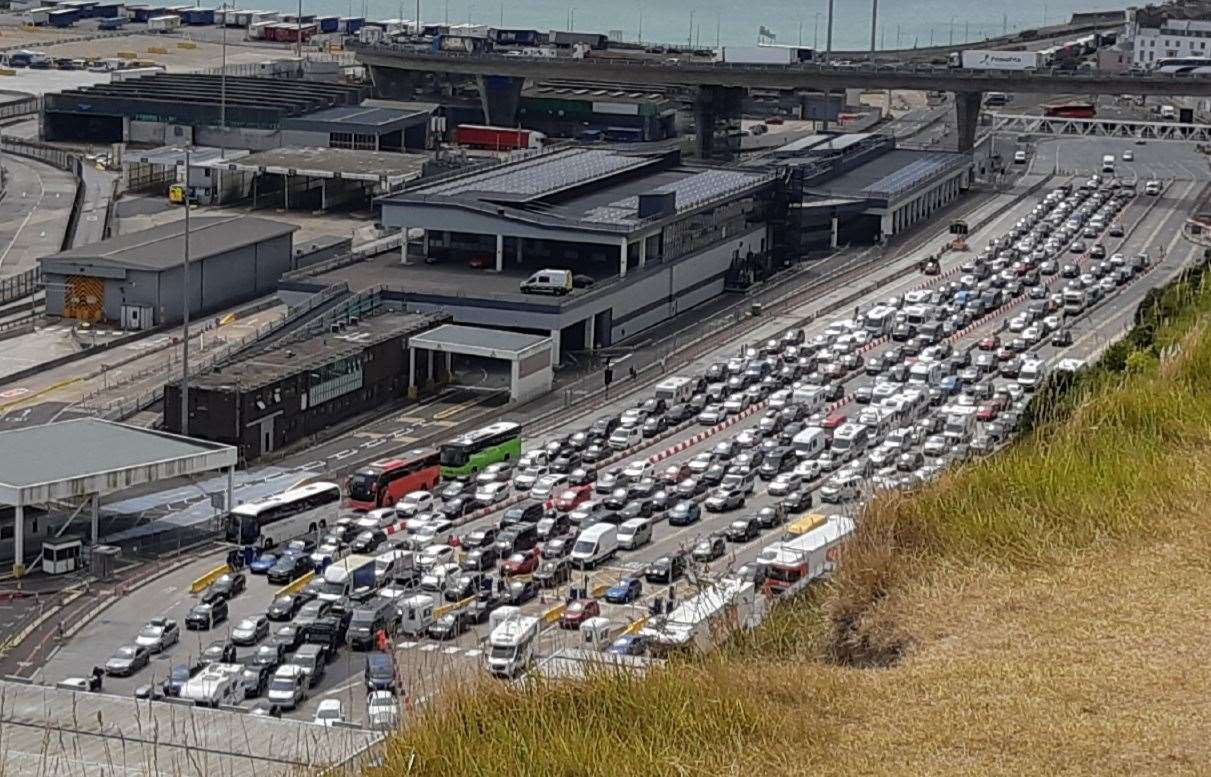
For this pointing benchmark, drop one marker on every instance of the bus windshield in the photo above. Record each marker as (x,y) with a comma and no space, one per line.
(454,455)
(362,486)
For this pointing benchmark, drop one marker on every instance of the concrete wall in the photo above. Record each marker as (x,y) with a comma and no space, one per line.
(239,137)
(159,133)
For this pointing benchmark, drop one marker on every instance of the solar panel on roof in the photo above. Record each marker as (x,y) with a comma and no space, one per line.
(691,191)
(543,174)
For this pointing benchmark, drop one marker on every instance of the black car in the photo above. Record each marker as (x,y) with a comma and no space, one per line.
(1061,338)
(521,591)
(522,537)
(286,607)
(178,675)
(368,541)
(459,506)
(525,513)
(481,559)
(483,605)
(709,549)
(255,677)
(206,616)
(221,651)
(228,586)
(287,568)
(551,572)
(797,500)
(665,569)
(289,636)
(771,516)
(636,508)
(448,626)
(742,530)
(270,655)
(480,538)
(465,585)
(679,413)
(379,672)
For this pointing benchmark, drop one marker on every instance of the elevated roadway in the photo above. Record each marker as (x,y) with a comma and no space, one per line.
(719,84)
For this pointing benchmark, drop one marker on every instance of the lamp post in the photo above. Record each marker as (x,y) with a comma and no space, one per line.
(185,312)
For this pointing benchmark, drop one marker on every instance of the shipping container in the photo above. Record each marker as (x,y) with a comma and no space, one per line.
(259,30)
(329,23)
(198,16)
(497,138)
(38,16)
(566,39)
(165,23)
(351,24)
(465,44)
(766,55)
(64,18)
(129,74)
(111,11)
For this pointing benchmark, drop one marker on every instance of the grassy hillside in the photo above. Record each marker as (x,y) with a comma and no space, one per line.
(1045,610)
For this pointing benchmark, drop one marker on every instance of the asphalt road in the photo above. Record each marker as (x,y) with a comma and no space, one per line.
(426,664)
(33,217)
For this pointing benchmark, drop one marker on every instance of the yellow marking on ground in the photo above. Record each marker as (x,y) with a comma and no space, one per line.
(454,410)
(39,393)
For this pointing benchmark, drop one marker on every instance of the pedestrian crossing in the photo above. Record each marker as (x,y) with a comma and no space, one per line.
(437,647)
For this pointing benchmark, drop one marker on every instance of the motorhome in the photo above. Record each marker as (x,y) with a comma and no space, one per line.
(675,389)
(217,684)
(511,645)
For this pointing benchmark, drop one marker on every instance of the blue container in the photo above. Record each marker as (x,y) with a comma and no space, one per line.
(197,16)
(351,24)
(64,18)
(329,23)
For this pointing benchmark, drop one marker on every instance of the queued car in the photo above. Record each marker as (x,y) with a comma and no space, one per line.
(625,591)
(127,660)
(158,634)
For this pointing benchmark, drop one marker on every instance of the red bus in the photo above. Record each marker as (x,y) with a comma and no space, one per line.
(383,483)
(1077,110)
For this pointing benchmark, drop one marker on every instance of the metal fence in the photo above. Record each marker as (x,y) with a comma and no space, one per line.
(20,107)
(125,407)
(41,152)
(19,286)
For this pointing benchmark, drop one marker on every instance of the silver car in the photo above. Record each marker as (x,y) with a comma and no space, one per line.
(158,634)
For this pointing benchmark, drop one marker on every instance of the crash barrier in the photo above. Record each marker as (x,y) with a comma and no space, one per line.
(296,585)
(201,583)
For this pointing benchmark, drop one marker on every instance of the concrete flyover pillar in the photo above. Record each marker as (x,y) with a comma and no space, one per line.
(500,97)
(393,83)
(643,252)
(967,115)
(590,325)
(403,246)
(622,259)
(500,253)
(712,106)
(19,541)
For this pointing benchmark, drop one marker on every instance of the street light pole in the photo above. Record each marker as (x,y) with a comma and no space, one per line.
(874,23)
(185,312)
(828,37)
(298,37)
(222,98)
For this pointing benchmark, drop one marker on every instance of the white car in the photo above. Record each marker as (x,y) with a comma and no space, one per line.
(523,480)
(638,470)
(936,446)
(784,484)
(382,710)
(416,502)
(493,473)
(329,712)
(433,555)
(492,493)
(548,485)
(736,403)
(700,463)
(1128,156)
(808,470)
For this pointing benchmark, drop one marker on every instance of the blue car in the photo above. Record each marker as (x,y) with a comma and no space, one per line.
(177,677)
(261,564)
(627,590)
(632,645)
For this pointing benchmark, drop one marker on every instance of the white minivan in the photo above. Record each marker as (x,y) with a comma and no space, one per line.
(595,544)
(634,533)
(809,443)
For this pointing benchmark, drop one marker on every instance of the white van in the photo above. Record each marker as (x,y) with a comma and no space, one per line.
(1108,163)
(595,544)
(1031,373)
(634,533)
(548,282)
(809,443)
(811,397)
(675,389)
(626,436)
(925,373)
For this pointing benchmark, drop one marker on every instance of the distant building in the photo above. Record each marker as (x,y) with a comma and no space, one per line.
(135,279)
(1114,59)
(1173,38)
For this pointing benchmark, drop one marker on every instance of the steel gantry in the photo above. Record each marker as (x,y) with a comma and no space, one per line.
(1128,129)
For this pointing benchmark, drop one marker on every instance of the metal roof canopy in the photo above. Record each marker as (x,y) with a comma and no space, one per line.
(89,456)
(388,168)
(474,341)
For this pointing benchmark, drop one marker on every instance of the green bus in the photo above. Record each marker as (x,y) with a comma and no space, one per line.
(469,453)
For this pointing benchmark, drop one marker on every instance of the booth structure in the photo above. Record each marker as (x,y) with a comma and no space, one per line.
(61,555)
(529,356)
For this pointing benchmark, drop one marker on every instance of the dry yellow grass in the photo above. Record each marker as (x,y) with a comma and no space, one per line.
(1045,611)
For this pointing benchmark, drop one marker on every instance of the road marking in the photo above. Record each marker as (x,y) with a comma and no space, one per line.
(370,435)
(451,650)
(473,652)
(453,411)
(444,424)
(407,644)
(411,419)
(429,647)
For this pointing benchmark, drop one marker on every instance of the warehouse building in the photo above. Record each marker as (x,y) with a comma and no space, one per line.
(354,360)
(599,111)
(181,109)
(859,188)
(653,237)
(135,280)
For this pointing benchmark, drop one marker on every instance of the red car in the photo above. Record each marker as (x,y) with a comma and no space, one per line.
(520,563)
(987,412)
(990,343)
(675,473)
(834,421)
(578,612)
(572,497)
